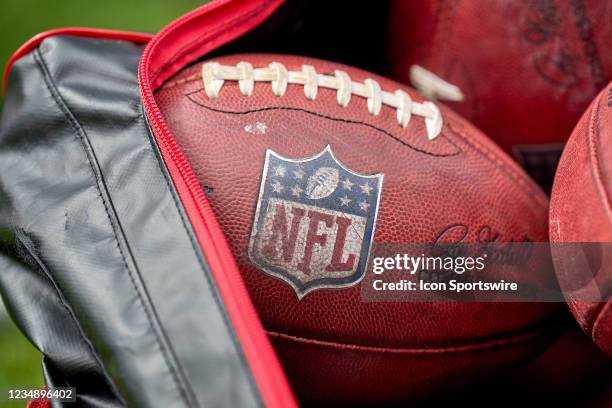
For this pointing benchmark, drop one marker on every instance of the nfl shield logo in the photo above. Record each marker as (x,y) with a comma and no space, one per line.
(314,222)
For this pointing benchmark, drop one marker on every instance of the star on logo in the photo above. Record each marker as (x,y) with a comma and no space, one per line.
(345,201)
(280,171)
(364,206)
(347,184)
(277,187)
(296,191)
(366,189)
(299,174)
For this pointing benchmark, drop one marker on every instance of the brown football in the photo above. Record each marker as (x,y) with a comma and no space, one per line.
(581,220)
(304,162)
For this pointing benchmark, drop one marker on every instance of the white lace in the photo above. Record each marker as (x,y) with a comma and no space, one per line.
(433,87)
(214,76)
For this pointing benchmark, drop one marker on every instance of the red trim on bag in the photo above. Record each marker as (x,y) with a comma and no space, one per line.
(38,404)
(180,43)
(33,42)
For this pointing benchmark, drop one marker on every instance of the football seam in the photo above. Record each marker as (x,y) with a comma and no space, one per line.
(216,75)
(506,341)
(587,320)
(603,311)
(498,162)
(593,140)
(593,144)
(350,121)
(487,153)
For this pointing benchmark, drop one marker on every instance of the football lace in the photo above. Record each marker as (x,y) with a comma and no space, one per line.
(214,76)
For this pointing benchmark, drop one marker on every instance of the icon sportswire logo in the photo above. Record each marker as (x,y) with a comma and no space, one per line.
(314,221)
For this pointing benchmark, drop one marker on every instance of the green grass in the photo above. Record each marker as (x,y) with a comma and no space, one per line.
(20,362)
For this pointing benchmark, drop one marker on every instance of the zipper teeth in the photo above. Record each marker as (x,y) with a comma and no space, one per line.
(150,106)
(272,385)
(197,194)
(170,27)
(177,156)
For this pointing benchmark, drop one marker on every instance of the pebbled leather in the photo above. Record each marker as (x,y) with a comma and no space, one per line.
(581,210)
(330,342)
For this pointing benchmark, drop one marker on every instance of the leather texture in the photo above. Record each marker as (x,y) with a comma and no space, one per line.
(581,211)
(336,348)
(100,267)
(528,69)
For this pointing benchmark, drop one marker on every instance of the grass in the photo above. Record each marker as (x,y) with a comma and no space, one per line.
(20,362)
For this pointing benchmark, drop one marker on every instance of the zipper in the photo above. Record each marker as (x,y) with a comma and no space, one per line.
(260,356)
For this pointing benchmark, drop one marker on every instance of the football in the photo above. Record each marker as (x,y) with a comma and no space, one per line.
(523,75)
(581,220)
(307,164)
(322,183)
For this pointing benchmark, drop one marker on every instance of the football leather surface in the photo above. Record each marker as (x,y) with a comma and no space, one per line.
(581,212)
(334,347)
(527,69)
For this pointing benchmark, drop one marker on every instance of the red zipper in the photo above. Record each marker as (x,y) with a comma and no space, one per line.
(265,367)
